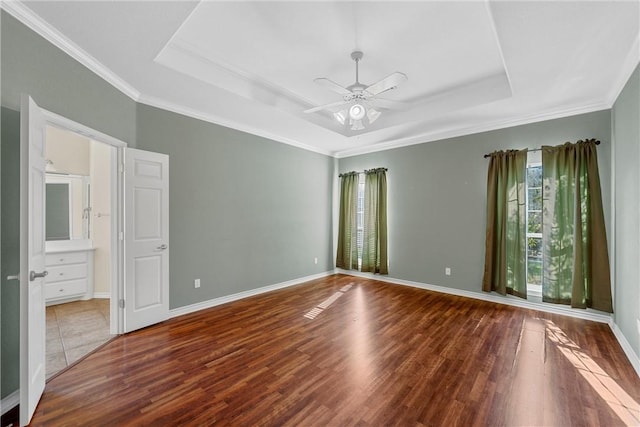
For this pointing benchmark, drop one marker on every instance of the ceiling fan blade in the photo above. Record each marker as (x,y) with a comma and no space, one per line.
(325,106)
(389,104)
(389,82)
(331,85)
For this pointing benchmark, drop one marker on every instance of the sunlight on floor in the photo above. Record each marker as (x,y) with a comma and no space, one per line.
(618,400)
(311,314)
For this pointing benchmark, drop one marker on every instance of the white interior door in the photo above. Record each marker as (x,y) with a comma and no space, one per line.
(32,258)
(146,238)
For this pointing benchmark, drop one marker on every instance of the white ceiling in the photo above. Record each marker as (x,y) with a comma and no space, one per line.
(471,66)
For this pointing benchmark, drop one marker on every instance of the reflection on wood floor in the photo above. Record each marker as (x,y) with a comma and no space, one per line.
(374,354)
(75,329)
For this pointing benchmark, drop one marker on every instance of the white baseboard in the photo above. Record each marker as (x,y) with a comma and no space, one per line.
(245,294)
(588,314)
(626,347)
(103,295)
(9,402)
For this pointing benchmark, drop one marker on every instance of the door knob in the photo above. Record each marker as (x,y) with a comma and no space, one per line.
(33,275)
(162,247)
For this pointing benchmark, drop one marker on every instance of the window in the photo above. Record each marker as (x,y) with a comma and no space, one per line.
(534,229)
(360,218)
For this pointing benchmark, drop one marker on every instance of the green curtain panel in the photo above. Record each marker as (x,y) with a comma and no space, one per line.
(347,257)
(575,256)
(505,256)
(374,246)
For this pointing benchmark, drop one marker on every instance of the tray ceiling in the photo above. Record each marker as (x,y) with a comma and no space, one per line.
(250,65)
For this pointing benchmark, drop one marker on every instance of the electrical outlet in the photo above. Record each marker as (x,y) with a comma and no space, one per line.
(447,271)
(196,283)
(315,260)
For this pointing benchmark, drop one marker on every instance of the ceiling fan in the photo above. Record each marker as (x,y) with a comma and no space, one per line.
(362,98)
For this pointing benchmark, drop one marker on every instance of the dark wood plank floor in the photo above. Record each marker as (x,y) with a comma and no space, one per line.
(376,354)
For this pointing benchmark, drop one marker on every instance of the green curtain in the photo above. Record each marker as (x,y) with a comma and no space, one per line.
(575,256)
(505,256)
(374,246)
(347,257)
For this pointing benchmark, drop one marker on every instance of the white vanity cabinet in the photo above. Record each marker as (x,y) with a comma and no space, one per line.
(70,275)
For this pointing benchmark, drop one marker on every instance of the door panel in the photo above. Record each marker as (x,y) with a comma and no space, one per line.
(32,257)
(146,238)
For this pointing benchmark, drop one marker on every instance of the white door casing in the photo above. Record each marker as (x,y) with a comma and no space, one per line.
(146,238)
(32,257)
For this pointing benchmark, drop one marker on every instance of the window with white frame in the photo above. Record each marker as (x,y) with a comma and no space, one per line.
(534,225)
(360,218)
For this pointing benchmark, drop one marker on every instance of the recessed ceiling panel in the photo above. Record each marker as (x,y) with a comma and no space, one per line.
(272,52)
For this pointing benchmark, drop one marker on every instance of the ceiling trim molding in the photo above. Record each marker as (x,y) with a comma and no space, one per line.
(628,67)
(187,48)
(217,120)
(465,131)
(492,21)
(29,18)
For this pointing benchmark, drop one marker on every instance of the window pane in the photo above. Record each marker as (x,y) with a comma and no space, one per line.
(534,176)
(535,199)
(534,222)
(534,247)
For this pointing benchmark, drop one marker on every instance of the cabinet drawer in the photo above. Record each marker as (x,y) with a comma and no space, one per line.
(66,272)
(66,258)
(65,289)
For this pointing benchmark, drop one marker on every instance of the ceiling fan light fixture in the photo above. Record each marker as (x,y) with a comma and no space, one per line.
(356,125)
(372,115)
(357,112)
(341,116)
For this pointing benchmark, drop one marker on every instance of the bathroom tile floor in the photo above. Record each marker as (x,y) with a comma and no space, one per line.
(75,329)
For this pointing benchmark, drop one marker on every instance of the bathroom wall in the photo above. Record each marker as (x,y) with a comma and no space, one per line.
(68,152)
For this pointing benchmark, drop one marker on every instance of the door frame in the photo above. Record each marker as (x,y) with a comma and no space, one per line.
(116,318)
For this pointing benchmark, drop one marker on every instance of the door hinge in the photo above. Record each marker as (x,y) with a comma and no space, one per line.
(121,168)
(121,235)
(121,303)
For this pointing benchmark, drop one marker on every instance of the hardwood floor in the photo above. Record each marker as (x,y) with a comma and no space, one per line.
(372,354)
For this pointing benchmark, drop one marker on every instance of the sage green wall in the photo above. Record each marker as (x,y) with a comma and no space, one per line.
(626,139)
(10,262)
(60,84)
(437,195)
(245,211)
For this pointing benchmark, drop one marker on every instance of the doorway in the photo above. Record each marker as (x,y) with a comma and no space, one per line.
(78,288)
(144,192)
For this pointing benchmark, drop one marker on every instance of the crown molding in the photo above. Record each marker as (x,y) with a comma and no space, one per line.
(464,131)
(628,67)
(217,120)
(29,18)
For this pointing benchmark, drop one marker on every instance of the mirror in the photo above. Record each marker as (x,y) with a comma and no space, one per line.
(67,207)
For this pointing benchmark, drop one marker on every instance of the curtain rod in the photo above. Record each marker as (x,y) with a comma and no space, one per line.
(359,172)
(540,149)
